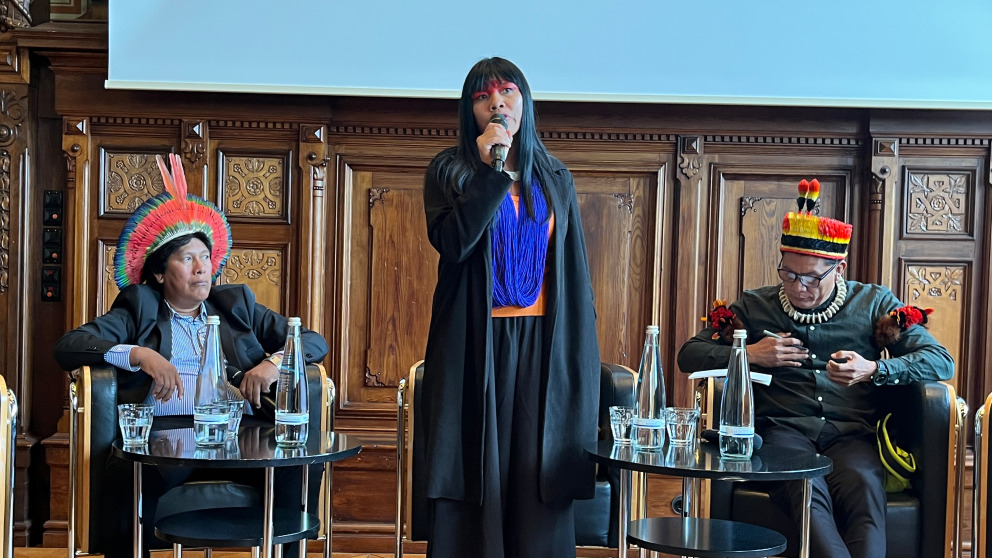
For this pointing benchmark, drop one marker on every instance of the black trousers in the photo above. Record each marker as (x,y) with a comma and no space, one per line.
(847,514)
(117,520)
(512,521)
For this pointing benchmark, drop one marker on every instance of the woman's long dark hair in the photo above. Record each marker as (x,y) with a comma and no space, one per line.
(528,143)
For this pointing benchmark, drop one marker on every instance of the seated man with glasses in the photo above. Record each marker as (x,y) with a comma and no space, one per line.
(827,371)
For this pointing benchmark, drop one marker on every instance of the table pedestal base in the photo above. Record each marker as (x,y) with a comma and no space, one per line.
(705,538)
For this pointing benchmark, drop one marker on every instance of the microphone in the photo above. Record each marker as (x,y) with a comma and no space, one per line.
(498,151)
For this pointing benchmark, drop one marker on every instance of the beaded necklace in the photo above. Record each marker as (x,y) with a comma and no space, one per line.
(520,247)
(814,317)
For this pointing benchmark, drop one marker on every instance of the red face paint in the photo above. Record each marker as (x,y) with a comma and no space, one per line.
(493,87)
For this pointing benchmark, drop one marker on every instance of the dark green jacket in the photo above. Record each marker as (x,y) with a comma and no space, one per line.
(803,397)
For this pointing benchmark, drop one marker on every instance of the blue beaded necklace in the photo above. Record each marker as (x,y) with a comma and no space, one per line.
(520,247)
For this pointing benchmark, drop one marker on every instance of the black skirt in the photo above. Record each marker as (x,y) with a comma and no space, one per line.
(512,521)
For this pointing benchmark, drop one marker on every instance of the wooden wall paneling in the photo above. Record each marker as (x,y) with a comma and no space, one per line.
(19,279)
(392,271)
(938,245)
(380,279)
(252,175)
(110,170)
(313,241)
(883,160)
(747,223)
(626,204)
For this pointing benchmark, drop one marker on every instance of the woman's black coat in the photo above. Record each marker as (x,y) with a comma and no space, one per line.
(458,398)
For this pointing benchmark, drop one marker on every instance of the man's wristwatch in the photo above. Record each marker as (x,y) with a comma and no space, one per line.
(881,376)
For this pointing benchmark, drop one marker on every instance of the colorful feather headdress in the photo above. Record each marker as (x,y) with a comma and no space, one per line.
(164,217)
(805,233)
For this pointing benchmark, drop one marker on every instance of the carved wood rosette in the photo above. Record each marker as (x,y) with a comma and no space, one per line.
(938,203)
(313,223)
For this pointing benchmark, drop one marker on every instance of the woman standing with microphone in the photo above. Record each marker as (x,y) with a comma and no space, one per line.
(511,370)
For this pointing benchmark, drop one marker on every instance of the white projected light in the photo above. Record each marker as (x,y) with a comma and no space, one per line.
(885,53)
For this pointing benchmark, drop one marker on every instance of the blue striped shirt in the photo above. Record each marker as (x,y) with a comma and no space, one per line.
(187,342)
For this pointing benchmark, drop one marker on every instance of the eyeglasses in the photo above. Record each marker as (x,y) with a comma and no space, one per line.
(808,281)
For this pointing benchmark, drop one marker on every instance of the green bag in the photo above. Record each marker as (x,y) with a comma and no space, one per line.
(899,464)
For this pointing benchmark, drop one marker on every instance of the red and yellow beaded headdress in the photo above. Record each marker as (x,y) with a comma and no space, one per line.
(164,217)
(805,233)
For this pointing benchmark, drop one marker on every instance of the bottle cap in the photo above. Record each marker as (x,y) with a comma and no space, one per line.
(213,320)
(740,334)
(295,321)
(652,329)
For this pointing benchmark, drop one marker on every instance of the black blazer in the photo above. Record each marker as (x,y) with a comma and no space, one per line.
(140,316)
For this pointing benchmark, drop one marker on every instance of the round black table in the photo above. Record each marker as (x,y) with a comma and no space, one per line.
(701,460)
(254,447)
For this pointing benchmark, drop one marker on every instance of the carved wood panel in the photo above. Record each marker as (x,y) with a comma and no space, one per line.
(261,268)
(392,271)
(128,178)
(938,204)
(619,221)
(254,185)
(943,287)
(940,207)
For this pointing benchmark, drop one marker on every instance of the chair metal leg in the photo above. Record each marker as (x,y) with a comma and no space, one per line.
(208,552)
(623,513)
(177,550)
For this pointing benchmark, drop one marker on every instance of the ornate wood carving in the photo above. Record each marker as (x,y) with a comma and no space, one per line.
(690,150)
(194,141)
(254,185)
(14,14)
(313,162)
(108,290)
(374,380)
(937,203)
(377,195)
(4,220)
(881,207)
(131,178)
(260,269)
(625,201)
(785,140)
(747,204)
(941,287)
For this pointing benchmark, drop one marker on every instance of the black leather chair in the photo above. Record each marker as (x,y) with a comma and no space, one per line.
(920,521)
(982,505)
(93,396)
(595,519)
(8,433)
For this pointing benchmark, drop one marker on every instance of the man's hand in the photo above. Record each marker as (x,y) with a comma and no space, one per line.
(771,352)
(848,368)
(165,377)
(257,381)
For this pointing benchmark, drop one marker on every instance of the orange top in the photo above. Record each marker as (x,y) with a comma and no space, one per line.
(536,309)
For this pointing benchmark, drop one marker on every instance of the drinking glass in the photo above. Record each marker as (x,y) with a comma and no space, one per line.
(621,419)
(681,424)
(136,422)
